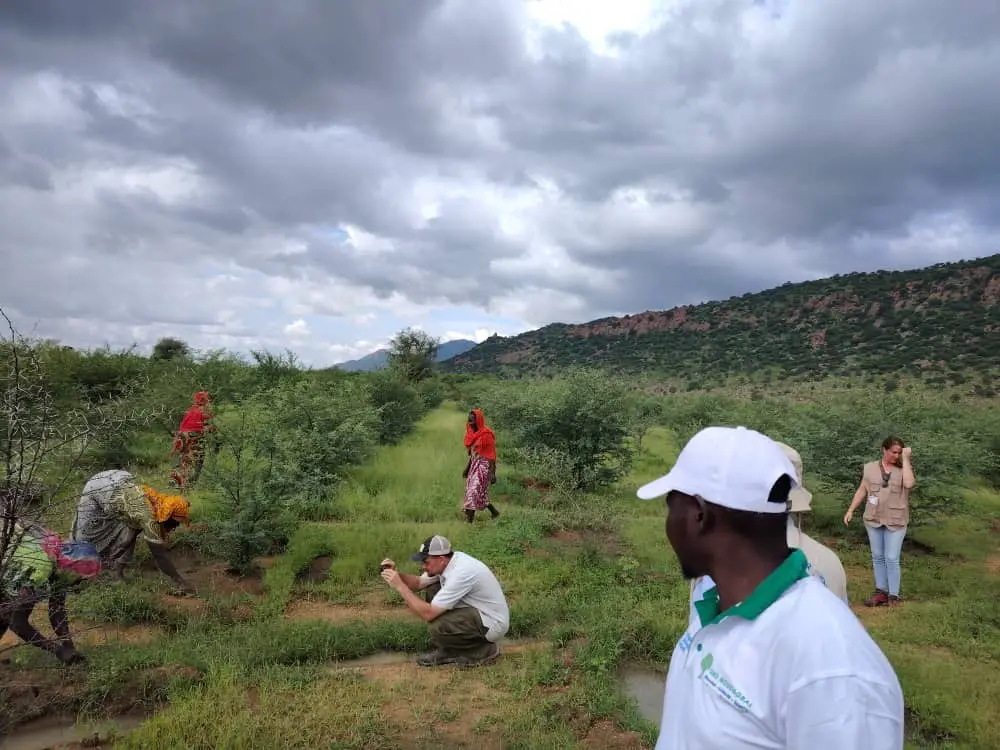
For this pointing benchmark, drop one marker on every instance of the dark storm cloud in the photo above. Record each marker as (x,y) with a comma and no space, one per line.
(767,145)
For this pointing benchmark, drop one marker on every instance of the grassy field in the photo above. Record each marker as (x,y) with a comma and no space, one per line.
(268,661)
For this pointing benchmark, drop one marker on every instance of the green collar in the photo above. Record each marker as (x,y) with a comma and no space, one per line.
(767,592)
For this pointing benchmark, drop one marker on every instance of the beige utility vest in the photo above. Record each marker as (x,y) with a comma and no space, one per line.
(892,501)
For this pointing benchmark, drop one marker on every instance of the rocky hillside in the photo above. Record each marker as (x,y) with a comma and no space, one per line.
(941,322)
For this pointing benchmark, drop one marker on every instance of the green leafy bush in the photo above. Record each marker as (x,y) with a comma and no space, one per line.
(432,393)
(571,431)
(249,516)
(312,433)
(280,455)
(399,405)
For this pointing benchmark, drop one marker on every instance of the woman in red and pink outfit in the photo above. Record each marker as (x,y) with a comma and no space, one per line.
(188,451)
(481,470)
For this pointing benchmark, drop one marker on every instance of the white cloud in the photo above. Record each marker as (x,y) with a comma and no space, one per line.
(593,20)
(478,335)
(298,329)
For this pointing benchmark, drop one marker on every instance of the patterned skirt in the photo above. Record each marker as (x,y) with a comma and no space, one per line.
(477,486)
(188,457)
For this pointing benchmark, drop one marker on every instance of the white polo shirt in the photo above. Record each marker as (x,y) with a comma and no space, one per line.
(822,563)
(468,582)
(790,667)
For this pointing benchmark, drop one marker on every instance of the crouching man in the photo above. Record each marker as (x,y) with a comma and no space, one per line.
(465,607)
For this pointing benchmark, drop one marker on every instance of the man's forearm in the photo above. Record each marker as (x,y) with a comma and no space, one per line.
(412,582)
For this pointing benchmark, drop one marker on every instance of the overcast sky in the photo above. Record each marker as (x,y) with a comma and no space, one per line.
(318,174)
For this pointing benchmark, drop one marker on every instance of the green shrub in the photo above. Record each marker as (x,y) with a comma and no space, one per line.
(432,393)
(398,404)
(249,516)
(572,431)
(313,432)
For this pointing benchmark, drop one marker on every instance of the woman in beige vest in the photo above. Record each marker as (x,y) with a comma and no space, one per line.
(886,485)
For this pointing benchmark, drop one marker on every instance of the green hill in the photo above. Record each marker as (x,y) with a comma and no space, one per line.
(939,322)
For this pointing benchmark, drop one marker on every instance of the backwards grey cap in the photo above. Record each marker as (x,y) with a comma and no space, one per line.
(434,545)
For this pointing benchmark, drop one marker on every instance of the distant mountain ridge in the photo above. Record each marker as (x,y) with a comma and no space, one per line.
(939,322)
(379,358)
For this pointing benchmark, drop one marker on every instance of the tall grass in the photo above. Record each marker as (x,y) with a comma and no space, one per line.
(591,581)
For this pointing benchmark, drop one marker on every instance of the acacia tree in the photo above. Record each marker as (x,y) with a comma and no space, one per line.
(412,354)
(170,348)
(644,412)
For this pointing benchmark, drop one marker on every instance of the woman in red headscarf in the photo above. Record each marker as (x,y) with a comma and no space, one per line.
(188,451)
(481,470)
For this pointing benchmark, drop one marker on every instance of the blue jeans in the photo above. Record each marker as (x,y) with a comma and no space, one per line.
(886,545)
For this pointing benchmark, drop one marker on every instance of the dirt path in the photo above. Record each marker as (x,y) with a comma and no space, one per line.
(374,608)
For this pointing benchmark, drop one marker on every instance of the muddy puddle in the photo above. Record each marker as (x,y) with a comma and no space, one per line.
(63,732)
(646,687)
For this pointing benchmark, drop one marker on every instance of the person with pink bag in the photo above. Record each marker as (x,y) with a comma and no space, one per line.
(41,566)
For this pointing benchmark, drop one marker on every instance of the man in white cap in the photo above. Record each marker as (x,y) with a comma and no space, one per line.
(823,561)
(771,658)
(465,608)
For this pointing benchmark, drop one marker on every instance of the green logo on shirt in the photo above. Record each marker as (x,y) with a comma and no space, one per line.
(726,689)
(706,663)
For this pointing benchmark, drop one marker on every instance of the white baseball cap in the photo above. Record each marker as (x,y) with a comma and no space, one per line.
(734,467)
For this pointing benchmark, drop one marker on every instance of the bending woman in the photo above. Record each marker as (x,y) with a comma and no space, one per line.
(481,470)
(114,509)
(42,567)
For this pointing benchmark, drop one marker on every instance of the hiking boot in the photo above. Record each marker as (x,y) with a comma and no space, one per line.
(894,601)
(491,655)
(877,599)
(437,659)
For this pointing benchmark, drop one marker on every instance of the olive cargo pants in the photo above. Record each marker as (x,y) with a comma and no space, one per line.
(459,631)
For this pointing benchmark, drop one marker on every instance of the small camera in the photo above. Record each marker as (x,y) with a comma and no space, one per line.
(383,566)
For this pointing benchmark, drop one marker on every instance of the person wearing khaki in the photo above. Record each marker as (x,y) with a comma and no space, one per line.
(886,485)
(823,562)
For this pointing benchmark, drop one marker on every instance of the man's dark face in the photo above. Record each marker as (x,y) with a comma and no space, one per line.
(684,532)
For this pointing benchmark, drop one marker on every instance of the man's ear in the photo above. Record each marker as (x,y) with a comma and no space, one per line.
(704,519)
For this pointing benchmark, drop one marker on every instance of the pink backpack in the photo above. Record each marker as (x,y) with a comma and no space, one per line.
(78,558)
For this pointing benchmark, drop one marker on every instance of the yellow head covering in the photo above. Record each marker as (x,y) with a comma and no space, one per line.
(167,507)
